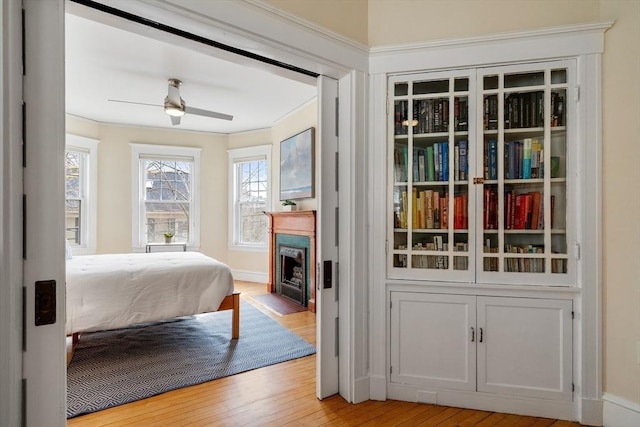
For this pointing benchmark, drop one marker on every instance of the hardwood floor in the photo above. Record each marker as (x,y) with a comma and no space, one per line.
(284,395)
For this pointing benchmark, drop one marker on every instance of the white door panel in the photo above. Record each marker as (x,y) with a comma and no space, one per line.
(327,242)
(44,361)
(524,347)
(433,340)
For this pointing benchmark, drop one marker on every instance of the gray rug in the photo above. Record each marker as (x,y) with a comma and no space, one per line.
(117,367)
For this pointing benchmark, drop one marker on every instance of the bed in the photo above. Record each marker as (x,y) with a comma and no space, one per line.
(113,291)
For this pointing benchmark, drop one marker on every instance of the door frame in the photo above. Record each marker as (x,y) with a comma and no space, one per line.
(306,47)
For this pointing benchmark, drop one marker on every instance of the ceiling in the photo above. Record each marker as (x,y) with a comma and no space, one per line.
(104,62)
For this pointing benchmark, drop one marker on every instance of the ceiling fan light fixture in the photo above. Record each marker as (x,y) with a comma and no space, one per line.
(174,110)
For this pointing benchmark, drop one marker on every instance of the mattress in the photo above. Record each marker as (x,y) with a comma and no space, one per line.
(113,291)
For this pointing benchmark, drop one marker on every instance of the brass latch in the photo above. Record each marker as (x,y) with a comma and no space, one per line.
(478,180)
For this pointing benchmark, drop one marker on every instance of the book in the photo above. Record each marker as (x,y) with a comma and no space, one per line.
(437,161)
(430,164)
(445,161)
(526,158)
(436,209)
(493,159)
(536,196)
(421,166)
(463,160)
(429,209)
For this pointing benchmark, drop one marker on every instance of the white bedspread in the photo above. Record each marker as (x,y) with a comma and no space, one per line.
(119,290)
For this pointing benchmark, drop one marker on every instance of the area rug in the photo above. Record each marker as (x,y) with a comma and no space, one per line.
(116,367)
(278,304)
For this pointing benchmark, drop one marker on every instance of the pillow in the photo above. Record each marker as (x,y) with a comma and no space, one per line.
(67,246)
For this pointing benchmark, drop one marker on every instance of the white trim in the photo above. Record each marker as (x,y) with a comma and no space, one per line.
(619,412)
(90,176)
(547,44)
(258,152)
(11,189)
(141,150)
(506,36)
(253,27)
(250,276)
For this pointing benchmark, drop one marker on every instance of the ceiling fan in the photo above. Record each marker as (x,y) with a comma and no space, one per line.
(175,106)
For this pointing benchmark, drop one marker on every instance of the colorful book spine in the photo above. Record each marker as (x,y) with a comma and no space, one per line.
(493,159)
(430,164)
(526,158)
(463,160)
(445,161)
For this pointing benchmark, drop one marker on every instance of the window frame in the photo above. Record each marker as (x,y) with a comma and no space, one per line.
(89,191)
(140,152)
(241,155)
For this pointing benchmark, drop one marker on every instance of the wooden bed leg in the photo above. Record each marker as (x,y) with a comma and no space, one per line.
(235,321)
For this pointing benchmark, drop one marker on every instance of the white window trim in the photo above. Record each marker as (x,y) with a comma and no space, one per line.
(137,221)
(90,177)
(246,154)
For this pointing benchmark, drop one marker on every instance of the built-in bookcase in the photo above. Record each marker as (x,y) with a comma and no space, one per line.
(480,175)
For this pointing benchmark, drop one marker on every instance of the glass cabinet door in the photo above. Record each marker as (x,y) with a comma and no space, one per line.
(524,175)
(430,177)
(479,175)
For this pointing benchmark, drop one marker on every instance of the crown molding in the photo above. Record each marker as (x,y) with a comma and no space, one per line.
(598,27)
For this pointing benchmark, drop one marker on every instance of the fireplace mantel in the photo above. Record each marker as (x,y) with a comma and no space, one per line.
(295,223)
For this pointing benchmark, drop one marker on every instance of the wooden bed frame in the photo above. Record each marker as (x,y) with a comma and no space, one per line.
(230,302)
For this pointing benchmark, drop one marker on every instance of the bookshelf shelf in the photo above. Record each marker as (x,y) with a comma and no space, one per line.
(480,172)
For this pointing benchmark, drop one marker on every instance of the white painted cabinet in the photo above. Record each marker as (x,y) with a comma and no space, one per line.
(506,346)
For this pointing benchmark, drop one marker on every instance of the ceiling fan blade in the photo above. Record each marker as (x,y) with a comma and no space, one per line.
(207,113)
(134,102)
(175,120)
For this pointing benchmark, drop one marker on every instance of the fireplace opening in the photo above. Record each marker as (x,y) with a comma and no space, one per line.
(293,275)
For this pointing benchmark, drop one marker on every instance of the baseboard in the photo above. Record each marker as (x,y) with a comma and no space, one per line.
(590,412)
(377,388)
(250,276)
(361,390)
(619,412)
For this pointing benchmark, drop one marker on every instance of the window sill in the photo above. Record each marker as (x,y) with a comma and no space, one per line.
(239,248)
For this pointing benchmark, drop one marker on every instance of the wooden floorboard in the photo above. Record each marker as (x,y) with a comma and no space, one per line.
(284,395)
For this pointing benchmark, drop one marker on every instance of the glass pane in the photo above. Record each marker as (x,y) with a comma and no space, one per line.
(524,79)
(401,89)
(523,159)
(524,110)
(430,115)
(253,223)
(433,262)
(72,174)
(400,162)
(401,118)
(431,87)
(558,265)
(461,85)
(558,76)
(557,108)
(400,261)
(167,180)
(73,211)
(490,82)
(524,265)
(490,112)
(400,207)
(163,217)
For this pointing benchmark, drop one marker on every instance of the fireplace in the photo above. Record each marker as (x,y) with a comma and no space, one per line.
(292,257)
(293,275)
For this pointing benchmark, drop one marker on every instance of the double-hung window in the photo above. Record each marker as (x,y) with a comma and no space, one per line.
(165,194)
(81,159)
(249,197)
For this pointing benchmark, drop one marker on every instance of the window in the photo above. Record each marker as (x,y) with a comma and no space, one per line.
(249,197)
(81,157)
(165,194)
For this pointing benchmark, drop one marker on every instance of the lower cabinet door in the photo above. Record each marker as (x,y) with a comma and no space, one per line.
(433,340)
(525,347)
